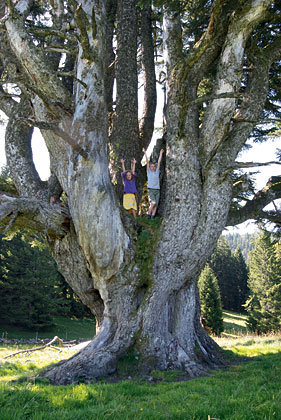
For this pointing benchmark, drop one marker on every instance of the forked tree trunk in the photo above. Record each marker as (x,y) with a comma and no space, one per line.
(143,292)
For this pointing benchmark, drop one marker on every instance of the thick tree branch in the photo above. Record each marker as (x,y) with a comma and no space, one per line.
(39,216)
(19,153)
(83,25)
(253,209)
(43,125)
(239,165)
(172,39)
(125,133)
(150,95)
(50,31)
(229,75)
(34,63)
(109,54)
(206,50)
(253,101)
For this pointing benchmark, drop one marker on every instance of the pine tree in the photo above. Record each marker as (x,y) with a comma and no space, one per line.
(231,272)
(241,273)
(223,265)
(244,242)
(211,309)
(32,291)
(264,303)
(26,285)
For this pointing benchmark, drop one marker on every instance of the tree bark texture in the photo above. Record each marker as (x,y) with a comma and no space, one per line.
(143,292)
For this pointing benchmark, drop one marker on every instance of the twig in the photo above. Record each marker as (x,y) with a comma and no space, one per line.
(11,222)
(38,348)
(239,165)
(208,98)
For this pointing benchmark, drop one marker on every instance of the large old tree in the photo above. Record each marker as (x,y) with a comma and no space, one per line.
(59,62)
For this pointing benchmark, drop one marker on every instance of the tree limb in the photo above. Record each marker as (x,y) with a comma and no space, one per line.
(239,165)
(52,220)
(61,50)
(150,94)
(71,74)
(50,31)
(229,75)
(253,209)
(33,61)
(43,125)
(19,152)
(83,25)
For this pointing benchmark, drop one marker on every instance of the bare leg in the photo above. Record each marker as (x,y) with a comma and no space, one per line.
(151,209)
(154,210)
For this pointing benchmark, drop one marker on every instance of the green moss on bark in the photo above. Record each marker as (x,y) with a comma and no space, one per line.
(147,240)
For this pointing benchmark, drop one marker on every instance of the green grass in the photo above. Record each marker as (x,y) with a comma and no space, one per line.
(65,328)
(245,391)
(234,323)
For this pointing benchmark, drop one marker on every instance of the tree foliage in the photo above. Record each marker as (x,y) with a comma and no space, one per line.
(32,291)
(243,241)
(231,272)
(26,286)
(264,303)
(211,309)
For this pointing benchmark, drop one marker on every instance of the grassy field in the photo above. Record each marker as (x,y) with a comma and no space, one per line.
(245,391)
(65,328)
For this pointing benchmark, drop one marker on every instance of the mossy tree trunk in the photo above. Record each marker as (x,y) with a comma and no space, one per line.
(144,295)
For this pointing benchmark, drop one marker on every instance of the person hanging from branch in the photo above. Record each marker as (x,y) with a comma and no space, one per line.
(130,190)
(153,184)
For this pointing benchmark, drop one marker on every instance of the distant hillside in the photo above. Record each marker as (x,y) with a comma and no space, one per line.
(245,242)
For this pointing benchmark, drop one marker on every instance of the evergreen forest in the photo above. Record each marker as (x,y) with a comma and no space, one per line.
(32,291)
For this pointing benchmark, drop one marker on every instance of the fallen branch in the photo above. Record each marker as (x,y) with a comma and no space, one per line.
(49,344)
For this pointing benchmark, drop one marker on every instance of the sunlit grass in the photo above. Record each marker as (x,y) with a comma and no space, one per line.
(251,345)
(234,324)
(26,364)
(245,391)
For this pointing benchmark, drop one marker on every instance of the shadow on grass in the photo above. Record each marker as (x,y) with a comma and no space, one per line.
(233,328)
(235,315)
(250,388)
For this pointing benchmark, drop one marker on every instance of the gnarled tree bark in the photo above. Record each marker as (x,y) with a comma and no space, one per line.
(144,295)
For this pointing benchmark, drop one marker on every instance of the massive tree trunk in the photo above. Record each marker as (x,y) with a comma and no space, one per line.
(143,293)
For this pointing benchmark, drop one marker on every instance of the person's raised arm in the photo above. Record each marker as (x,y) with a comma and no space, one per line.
(123,165)
(134,166)
(160,158)
(147,161)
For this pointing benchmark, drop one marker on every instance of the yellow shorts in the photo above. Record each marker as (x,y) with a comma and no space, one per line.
(129,202)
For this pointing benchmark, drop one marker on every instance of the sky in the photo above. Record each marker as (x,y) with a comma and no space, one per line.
(260,152)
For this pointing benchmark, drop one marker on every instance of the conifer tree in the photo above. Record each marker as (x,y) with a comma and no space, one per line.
(27,285)
(223,265)
(211,309)
(231,272)
(241,272)
(32,291)
(264,303)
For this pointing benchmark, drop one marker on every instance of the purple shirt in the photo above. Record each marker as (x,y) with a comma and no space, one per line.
(129,186)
